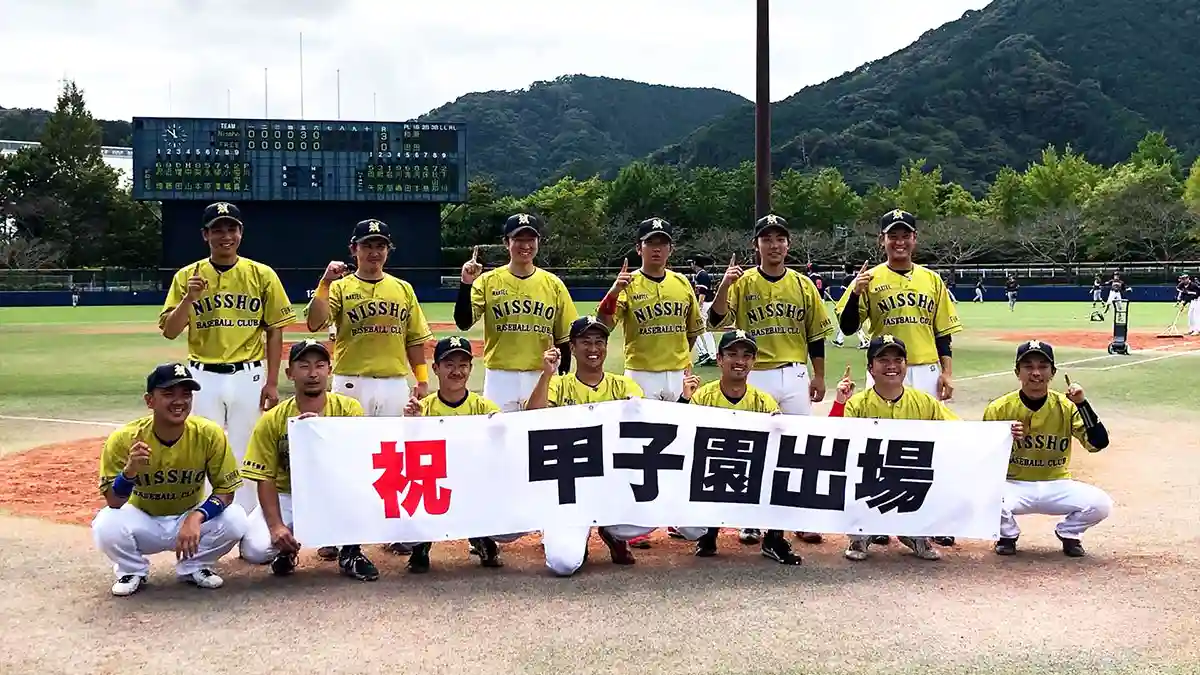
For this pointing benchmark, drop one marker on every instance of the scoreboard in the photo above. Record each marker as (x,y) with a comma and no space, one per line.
(298,160)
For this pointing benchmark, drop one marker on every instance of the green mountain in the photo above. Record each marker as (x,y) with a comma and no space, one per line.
(26,124)
(576,125)
(988,90)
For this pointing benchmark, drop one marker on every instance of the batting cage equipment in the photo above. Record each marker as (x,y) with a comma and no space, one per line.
(1120,328)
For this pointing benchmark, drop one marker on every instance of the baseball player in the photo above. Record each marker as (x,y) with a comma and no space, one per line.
(74,296)
(452,363)
(951,284)
(888,397)
(566,547)
(227,304)
(525,311)
(152,475)
(782,310)
(978,290)
(1116,290)
(1010,290)
(269,538)
(1097,295)
(383,331)
(1039,479)
(706,346)
(1189,295)
(737,354)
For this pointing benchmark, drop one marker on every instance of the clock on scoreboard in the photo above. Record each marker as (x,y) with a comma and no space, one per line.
(298,160)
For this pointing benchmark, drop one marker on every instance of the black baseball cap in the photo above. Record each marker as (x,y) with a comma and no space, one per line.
(736,337)
(652,226)
(882,342)
(519,222)
(897,218)
(449,345)
(219,211)
(304,346)
(371,228)
(1035,347)
(770,222)
(170,374)
(585,323)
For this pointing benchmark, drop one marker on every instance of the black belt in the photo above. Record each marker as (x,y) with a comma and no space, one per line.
(226,368)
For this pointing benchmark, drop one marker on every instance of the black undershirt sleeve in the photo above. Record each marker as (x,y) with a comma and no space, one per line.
(564,360)
(1097,435)
(714,318)
(943,346)
(462,308)
(816,349)
(848,321)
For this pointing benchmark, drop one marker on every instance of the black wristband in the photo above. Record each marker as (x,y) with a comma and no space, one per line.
(683,400)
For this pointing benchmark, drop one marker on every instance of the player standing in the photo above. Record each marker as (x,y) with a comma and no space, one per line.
(1096,292)
(736,356)
(706,346)
(782,311)
(1189,295)
(269,537)
(452,363)
(566,547)
(1116,290)
(1010,290)
(887,397)
(152,473)
(525,311)
(979,290)
(227,304)
(1039,479)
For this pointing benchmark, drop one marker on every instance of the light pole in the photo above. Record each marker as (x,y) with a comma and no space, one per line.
(762,112)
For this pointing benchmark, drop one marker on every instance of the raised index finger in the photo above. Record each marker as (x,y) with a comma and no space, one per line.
(733,260)
(475,254)
(196,270)
(624,265)
(847,375)
(866,266)
(1068,377)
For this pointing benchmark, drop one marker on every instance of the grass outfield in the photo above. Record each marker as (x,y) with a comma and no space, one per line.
(89,362)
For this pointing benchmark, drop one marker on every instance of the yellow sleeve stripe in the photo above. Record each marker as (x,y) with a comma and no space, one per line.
(256,475)
(950,331)
(416,341)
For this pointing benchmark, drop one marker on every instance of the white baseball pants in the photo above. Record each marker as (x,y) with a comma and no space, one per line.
(565,546)
(1113,296)
(379,396)
(923,377)
(978,295)
(1193,316)
(1083,505)
(1096,296)
(233,400)
(128,534)
(664,386)
(509,388)
(706,345)
(788,385)
(256,547)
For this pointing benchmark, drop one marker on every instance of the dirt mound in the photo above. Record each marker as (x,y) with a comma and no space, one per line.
(1097,339)
(56,482)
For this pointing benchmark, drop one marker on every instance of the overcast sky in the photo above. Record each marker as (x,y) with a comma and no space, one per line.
(180,57)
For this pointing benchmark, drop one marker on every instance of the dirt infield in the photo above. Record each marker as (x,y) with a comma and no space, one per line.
(1088,339)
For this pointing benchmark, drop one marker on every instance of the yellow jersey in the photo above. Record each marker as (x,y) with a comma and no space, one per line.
(173,482)
(1045,452)
(474,404)
(782,315)
(914,306)
(377,321)
(268,455)
(227,323)
(568,390)
(522,317)
(913,404)
(661,318)
(755,399)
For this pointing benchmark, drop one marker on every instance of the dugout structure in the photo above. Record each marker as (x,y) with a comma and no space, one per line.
(301,186)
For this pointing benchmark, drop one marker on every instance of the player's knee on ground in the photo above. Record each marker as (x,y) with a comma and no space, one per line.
(627,532)
(564,563)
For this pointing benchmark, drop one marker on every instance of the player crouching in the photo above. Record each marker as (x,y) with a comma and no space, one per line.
(736,353)
(152,471)
(889,398)
(452,364)
(566,547)
(1039,479)
(270,538)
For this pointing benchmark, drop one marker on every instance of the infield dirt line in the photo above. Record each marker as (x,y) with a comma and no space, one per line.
(1138,363)
(1072,363)
(55,420)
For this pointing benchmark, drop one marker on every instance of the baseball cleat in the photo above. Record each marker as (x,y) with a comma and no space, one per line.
(921,547)
(128,585)
(810,537)
(776,548)
(857,550)
(328,553)
(356,565)
(642,542)
(398,549)
(203,578)
(489,552)
(750,536)
(1072,548)
(674,533)
(706,545)
(617,549)
(943,541)
(283,564)
(1006,546)
(418,562)
(839,343)
(880,539)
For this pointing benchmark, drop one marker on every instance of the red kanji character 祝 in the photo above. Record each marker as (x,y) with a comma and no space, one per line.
(418,470)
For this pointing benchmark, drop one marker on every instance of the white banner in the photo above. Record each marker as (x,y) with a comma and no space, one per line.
(642,462)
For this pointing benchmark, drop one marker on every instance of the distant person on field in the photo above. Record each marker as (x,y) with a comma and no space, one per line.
(1010,289)
(706,346)
(1097,292)
(978,290)
(75,296)
(951,283)
(1116,290)
(1190,297)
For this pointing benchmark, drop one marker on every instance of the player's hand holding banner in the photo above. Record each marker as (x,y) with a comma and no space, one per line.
(642,462)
